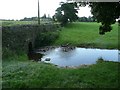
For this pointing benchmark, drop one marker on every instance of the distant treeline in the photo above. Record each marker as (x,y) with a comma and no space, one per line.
(44,17)
(48,18)
(29,19)
(86,19)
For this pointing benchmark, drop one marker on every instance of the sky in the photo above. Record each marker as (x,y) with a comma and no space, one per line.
(18,9)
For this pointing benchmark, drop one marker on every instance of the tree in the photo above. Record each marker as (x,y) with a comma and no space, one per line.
(29,19)
(106,13)
(83,19)
(44,16)
(66,13)
(53,18)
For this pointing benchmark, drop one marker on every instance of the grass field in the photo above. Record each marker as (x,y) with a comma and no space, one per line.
(20,73)
(13,23)
(86,34)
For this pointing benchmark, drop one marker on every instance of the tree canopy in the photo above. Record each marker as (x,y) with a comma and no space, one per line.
(66,13)
(86,19)
(105,13)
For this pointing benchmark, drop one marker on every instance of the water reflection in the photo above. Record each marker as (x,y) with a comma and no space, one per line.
(79,56)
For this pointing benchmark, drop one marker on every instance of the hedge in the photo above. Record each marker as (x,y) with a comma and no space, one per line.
(16,38)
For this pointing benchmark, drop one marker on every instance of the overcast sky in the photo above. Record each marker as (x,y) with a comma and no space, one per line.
(18,9)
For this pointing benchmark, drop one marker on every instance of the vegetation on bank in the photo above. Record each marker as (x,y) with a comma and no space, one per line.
(18,72)
(86,34)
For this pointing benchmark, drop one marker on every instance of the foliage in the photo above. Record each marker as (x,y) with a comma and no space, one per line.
(85,34)
(44,16)
(29,19)
(45,39)
(85,19)
(66,13)
(106,13)
(16,38)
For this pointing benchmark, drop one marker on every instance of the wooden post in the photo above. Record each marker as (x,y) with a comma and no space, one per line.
(38,14)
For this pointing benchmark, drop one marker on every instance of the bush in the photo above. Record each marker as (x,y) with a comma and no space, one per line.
(44,39)
(15,39)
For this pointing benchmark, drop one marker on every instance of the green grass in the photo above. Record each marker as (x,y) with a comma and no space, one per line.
(13,23)
(86,34)
(28,74)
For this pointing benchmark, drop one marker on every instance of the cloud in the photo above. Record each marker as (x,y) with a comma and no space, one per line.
(18,9)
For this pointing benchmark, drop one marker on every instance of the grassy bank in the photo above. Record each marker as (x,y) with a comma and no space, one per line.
(18,72)
(86,34)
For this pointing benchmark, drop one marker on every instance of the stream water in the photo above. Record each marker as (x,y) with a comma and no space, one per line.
(79,56)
